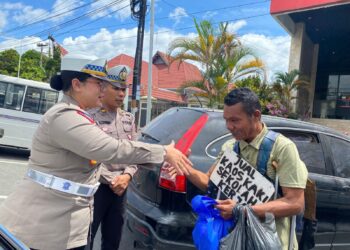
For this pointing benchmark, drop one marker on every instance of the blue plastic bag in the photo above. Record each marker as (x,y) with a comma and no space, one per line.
(210,226)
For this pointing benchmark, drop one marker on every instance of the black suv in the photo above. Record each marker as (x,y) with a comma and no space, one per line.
(159,215)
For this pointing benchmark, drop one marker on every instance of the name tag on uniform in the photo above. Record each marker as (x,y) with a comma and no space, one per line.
(104,122)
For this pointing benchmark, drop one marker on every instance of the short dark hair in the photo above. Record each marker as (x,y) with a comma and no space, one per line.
(246,96)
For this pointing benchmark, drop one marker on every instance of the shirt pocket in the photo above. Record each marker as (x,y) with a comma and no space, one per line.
(127,125)
(107,128)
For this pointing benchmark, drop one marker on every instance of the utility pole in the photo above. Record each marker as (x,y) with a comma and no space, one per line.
(149,92)
(41,45)
(19,61)
(138,12)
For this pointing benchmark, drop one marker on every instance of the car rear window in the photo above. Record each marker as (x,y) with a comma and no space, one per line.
(170,125)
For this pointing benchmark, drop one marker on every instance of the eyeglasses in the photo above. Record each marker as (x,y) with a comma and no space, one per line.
(102,84)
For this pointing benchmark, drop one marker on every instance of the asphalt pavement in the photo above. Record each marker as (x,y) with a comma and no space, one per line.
(13,164)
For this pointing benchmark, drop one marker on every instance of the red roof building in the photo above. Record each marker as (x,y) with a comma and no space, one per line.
(166,77)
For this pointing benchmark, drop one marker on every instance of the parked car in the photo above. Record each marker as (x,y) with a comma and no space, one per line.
(9,242)
(159,215)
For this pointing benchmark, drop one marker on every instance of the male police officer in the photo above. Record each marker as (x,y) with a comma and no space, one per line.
(110,197)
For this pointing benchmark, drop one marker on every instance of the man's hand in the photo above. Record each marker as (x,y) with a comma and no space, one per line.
(177,160)
(226,207)
(120,183)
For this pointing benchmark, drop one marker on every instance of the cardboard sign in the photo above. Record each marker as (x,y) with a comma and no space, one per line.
(240,181)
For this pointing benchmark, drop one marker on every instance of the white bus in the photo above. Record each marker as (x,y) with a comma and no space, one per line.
(22,104)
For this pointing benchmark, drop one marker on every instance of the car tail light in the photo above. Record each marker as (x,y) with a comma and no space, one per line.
(178,183)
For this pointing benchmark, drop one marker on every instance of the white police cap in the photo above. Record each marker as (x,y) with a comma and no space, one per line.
(94,66)
(118,75)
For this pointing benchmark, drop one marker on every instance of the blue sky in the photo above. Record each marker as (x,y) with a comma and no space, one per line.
(108,30)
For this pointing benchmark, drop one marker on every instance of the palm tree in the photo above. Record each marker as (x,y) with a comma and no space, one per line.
(286,84)
(221,55)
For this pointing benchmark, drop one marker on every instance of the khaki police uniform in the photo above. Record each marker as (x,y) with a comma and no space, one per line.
(108,206)
(120,125)
(291,171)
(66,141)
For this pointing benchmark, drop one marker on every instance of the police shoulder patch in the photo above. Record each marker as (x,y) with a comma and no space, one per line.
(86,115)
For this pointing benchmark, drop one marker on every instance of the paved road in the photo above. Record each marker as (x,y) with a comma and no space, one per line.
(12,169)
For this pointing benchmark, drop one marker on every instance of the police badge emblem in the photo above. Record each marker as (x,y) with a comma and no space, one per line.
(123,74)
(66,185)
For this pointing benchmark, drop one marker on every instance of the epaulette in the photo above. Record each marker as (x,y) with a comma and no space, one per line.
(86,115)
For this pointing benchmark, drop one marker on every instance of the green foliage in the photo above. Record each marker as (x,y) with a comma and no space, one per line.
(286,85)
(222,56)
(262,89)
(53,64)
(30,64)
(9,62)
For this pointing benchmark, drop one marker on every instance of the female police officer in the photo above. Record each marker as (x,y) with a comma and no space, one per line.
(51,207)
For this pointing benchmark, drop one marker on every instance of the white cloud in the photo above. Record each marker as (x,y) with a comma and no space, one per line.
(209,15)
(274,51)
(99,5)
(110,44)
(104,43)
(121,14)
(119,11)
(63,6)
(178,14)
(11,6)
(235,26)
(22,45)
(29,14)
(3,19)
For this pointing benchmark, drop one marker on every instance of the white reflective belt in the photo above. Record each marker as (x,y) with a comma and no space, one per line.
(60,184)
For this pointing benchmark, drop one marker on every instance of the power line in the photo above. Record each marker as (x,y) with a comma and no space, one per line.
(222,8)
(46,18)
(168,31)
(162,18)
(74,20)
(78,29)
(167,17)
(190,27)
(77,19)
(160,32)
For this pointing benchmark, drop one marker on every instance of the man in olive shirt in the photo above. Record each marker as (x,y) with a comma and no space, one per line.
(242,113)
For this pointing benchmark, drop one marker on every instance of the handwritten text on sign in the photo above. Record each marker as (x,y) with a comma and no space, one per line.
(240,181)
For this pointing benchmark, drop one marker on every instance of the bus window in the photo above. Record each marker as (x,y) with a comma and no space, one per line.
(3,87)
(32,100)
(48,99)
(14,96)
